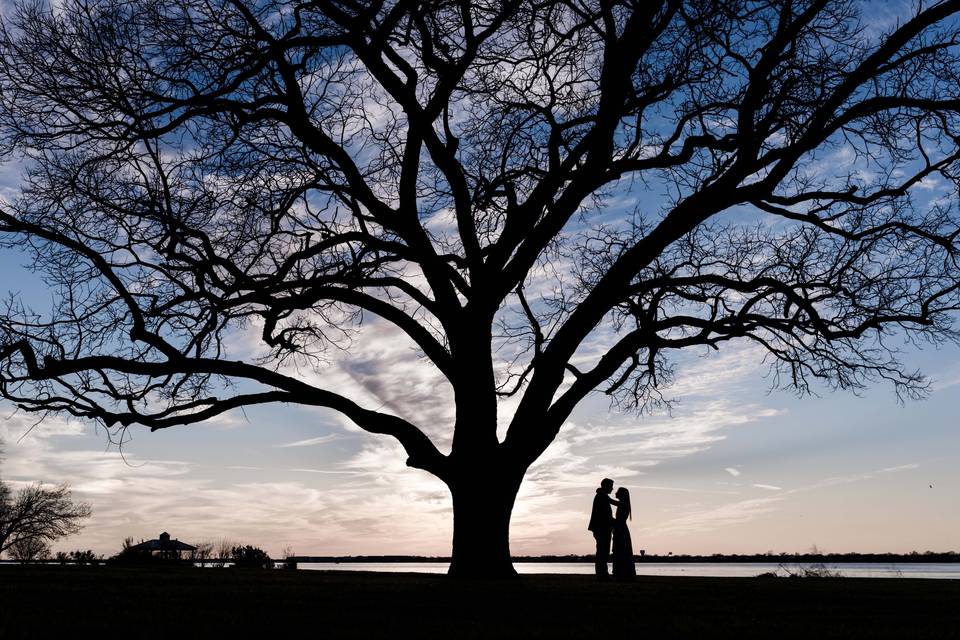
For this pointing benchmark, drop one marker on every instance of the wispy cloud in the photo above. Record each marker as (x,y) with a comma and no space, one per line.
(309,442)
(700,518)
(685,433)
(948,380)
(714,517)
(901,467)
(733,471)
(855,477)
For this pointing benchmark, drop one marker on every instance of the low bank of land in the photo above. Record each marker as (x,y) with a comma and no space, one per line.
(183,602)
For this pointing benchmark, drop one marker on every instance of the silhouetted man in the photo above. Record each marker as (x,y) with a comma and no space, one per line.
(601,524)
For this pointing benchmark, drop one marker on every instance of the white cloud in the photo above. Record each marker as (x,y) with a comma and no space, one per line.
(855,477)
(929,183)
(663,437)
(946,380)
(727,514)
(382,371)
(901,467)
(733,471)
(309,442)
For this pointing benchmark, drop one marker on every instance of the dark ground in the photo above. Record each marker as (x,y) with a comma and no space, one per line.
(105,602)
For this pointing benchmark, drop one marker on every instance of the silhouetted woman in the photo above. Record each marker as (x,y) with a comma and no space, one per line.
(622,556)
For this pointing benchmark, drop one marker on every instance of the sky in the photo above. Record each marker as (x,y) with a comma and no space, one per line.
(733,468)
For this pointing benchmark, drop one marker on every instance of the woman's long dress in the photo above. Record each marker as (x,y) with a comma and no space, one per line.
(622,556)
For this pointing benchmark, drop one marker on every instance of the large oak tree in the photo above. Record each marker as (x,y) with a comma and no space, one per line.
(200,168)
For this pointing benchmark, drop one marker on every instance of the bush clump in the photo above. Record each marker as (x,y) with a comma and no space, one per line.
(250,557)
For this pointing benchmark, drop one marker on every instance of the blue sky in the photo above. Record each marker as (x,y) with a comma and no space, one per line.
(735,468)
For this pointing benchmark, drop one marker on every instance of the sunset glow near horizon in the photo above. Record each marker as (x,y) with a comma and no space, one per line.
(733,468)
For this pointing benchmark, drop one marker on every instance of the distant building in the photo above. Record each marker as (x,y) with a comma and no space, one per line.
(163,547)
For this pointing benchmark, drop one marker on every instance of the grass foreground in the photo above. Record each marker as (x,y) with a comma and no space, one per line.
(183,602)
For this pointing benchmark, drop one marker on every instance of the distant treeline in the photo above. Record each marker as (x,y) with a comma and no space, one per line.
(913,556)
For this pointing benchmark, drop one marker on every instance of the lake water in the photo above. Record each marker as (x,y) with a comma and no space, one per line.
(949,571)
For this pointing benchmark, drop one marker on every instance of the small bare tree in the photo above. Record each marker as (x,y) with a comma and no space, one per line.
(223,551)
(29,549)
(203,551)
(287,554)
(37,515)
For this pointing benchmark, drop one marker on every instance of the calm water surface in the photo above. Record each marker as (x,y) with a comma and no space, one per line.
(715,569)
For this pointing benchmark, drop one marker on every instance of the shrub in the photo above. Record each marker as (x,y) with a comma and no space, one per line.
(128,555)
(250,556)
(29,550)
(818,570)
(82,557)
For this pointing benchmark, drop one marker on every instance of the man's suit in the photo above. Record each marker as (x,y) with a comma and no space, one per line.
(601,524)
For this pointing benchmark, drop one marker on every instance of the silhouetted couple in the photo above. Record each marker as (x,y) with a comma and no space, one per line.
(605,526)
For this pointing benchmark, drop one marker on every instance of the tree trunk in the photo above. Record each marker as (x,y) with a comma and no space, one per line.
(481,528)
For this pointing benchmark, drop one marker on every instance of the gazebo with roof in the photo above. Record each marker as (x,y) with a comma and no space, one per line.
(163,547)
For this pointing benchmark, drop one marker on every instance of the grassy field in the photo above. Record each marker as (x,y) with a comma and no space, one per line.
(187,603)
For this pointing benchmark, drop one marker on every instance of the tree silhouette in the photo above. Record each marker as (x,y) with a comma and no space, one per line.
(203,169)
(29,550)
(36,516)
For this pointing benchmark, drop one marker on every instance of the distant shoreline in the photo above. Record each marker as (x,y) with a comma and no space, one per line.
(927,557)
(916,557)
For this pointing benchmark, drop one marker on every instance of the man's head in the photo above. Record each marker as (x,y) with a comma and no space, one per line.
(607,485)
